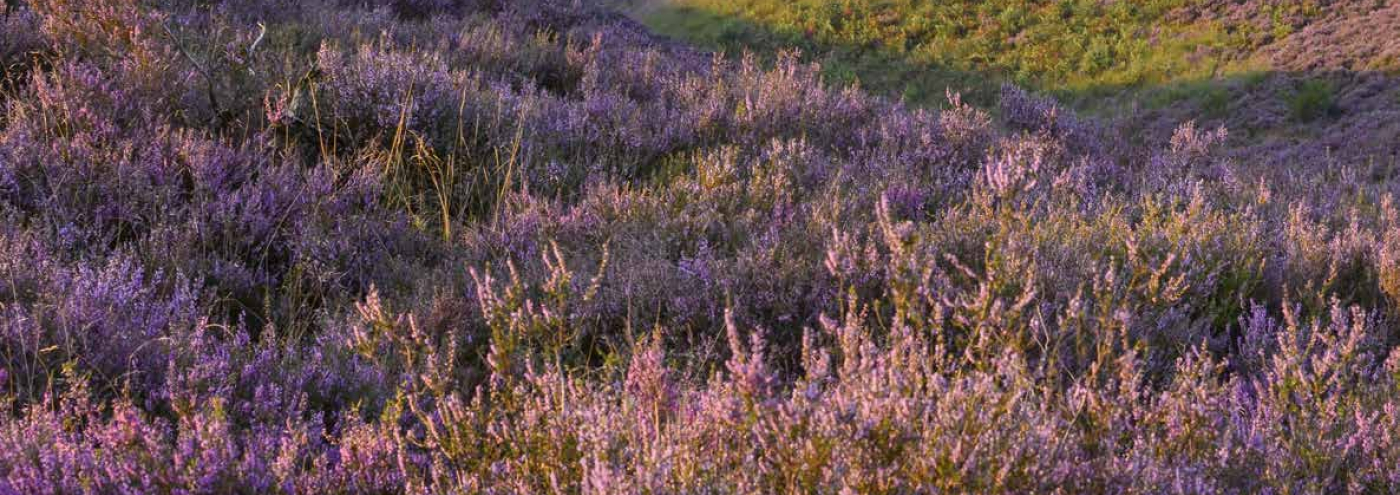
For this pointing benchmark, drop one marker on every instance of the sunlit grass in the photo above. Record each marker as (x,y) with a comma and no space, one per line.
(1078,51)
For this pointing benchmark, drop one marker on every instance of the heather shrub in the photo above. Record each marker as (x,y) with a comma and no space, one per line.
(115,318)
(1022,110)
(22,39)
(110,29)
(379,90)
(435,247)
(1386,262)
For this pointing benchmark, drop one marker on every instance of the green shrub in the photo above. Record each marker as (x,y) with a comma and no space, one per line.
(1214,101)
(1312,100)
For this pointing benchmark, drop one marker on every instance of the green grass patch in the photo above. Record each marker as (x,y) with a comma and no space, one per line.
(1097,57)
(914,49)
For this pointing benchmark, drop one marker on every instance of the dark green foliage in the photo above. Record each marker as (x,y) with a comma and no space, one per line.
(1312,100)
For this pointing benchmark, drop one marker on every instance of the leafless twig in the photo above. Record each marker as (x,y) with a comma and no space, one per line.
(208,78)
(262,32)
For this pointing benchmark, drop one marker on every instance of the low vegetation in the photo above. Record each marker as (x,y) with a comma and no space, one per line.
(915,48)
(448,246)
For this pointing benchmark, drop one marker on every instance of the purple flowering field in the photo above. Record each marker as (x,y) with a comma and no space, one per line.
(528,246)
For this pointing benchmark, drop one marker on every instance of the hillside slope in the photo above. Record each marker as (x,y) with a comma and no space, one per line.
(1294,81)
(528,246)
